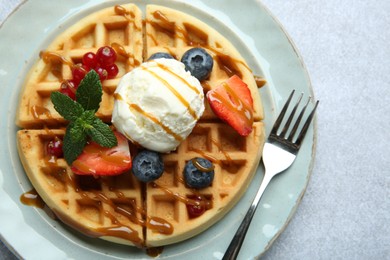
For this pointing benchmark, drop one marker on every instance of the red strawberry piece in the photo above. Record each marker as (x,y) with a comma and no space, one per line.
(100,161)
(232,102)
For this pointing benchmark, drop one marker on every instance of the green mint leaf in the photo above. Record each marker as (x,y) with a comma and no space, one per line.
(72,148)
(65,106)
(89,93)
(82,123)
(87,118)
(77,131)
(102,134)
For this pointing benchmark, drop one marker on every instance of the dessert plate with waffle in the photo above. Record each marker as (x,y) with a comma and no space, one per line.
(136,128)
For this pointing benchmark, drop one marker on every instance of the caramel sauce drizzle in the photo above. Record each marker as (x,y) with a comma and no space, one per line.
(120,10)
(117,160)
(120,50)
(172,194)
(160,16)
(163,23)
(155,120)
(155,223)
(227,156)
(260,81)
(225,62)
(94,198)
(228,164)
(38,111)
(52,57)
(48,57)
(174,91)
(181,198)
(151,36)
(207,156)
(170,52)
(83,167)
(151,117)
(154,251)
(51,159)
(121,232)
(31,198)
(165,68)
(160,225)
(200,167)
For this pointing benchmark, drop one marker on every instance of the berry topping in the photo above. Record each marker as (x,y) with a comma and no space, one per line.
(54,147)
(112,71)
(78,72)
(232,102)
(68,88)
(105,56)
(148,166)
(198,62)
(102,63)
(197,205)
(97,160)
(102,72)
(198,173)
(90,60)
(159,55)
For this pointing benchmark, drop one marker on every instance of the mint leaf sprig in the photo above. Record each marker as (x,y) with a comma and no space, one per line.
(83,123)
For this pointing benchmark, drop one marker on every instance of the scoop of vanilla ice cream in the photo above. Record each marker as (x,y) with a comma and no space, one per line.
(158,104)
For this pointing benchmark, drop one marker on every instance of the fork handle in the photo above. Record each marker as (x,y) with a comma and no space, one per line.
(236,243)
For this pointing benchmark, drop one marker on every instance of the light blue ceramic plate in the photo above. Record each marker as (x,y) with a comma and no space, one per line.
(30,233)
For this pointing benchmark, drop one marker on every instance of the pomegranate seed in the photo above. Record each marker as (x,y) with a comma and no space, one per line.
(112,71)
(195,211)
(69,87)
(106,56)
(90,60)
(54,147)
(78,72)
(102,73)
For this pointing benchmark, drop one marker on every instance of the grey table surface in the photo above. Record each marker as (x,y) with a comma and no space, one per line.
(345,213)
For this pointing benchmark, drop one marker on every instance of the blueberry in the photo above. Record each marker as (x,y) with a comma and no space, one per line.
(159,55)
(148,166)
(198,176)
(198,62)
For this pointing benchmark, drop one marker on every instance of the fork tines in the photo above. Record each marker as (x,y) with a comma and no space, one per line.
(282,135)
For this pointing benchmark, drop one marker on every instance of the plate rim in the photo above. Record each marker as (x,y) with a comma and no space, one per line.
(314,123)
(314,139)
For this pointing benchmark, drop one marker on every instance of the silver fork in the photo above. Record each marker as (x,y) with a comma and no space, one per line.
(279,153)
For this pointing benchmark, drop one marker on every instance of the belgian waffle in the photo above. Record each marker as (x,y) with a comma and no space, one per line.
(121,209)
(121,25)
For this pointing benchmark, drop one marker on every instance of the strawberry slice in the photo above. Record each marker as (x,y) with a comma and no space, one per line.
(232,102)
(100,161)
